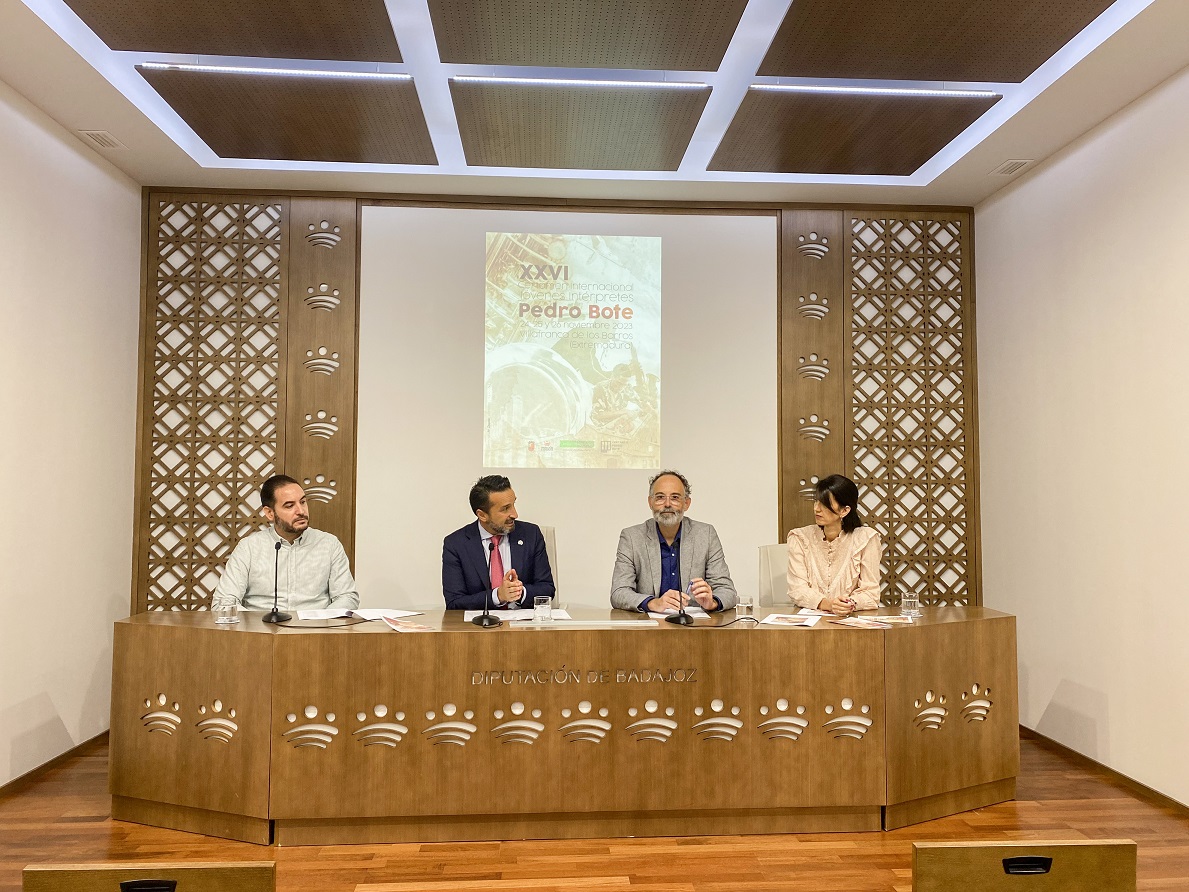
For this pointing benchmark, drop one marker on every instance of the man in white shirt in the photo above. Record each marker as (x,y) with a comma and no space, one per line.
(308,567)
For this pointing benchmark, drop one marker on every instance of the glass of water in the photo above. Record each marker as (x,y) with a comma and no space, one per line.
(226,614)
(542,609)
(744,606)
(910,604)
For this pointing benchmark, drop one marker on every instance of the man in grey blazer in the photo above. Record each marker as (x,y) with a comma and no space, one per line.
(670,560)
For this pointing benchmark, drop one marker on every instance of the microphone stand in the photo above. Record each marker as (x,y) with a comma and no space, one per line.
(485,620)
(275,615)
(681,618)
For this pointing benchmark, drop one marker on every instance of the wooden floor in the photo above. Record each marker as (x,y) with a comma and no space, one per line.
(64,816)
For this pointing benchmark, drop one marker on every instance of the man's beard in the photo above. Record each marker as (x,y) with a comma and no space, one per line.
(668,518)
(290,529)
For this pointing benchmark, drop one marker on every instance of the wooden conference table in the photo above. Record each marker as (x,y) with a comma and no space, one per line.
(316,735)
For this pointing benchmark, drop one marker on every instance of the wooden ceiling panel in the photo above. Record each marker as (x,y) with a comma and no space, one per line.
(299,118)
(575,128)
(842,134)
(349,30)
(690,35)
(933,40)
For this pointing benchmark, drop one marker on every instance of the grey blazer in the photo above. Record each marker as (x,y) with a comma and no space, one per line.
(638,564)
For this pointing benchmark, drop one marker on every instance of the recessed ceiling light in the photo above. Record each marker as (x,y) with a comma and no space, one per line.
(283,72)
(577,82)
(875,91)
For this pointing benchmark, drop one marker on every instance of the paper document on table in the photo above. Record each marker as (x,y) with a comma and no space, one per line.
(527,616)
(516,616)
(325,613)
(810,611)
(801,620)
(861,622)
(506,615)
(692,610)
(404,625)
(372,613)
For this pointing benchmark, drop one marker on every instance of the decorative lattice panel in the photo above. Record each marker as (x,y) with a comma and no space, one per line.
(212,398)
(912,420)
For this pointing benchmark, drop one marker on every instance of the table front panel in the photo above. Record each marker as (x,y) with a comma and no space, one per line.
(953,716)
(190,715)
(565,721)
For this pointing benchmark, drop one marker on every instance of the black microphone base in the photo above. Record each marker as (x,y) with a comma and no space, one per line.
(487,621)
(680,619)
(275,616)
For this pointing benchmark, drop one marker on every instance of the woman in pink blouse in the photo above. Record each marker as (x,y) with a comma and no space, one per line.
(834,563)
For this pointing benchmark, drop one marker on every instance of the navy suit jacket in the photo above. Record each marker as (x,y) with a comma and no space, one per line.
(466,582)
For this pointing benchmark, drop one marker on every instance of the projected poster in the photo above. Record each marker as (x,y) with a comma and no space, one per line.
(573,351)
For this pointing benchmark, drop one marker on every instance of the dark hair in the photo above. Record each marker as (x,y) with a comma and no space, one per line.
(845,495)
(666,473)
(484,487)
(268,492)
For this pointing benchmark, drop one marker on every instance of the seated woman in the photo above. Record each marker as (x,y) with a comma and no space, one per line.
(834,563)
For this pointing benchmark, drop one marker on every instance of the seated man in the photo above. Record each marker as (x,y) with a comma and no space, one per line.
(499,559)
(662,559)
(310,570)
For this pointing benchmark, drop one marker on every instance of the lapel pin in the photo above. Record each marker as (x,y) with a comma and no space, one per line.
(519,541)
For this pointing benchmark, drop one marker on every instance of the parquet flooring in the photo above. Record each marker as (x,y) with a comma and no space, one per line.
(64,816)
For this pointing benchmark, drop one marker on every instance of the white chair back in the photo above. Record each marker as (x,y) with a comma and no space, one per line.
(550,537)
(774,565)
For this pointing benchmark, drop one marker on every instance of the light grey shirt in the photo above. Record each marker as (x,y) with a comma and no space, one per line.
(312,573)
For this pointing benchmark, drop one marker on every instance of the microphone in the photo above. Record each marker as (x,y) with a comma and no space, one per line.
(485,620)
(681,618)
(275,615)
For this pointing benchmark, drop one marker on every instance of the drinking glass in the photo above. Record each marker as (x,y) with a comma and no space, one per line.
(910,604)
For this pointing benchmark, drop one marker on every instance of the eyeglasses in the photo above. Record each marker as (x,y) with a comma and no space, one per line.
(660,498)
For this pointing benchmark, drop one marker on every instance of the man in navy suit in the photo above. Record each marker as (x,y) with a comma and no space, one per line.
(498,559)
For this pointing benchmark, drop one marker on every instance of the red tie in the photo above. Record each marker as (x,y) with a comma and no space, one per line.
(497,563)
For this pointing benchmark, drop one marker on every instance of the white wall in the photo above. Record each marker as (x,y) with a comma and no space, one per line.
(1083,310)
(421,398)
(69,316)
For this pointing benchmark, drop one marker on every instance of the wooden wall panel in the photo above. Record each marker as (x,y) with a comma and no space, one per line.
(914,427)
(249,365)
(211,394)
(248,369)
(321,367)
(813,359)
(877,339)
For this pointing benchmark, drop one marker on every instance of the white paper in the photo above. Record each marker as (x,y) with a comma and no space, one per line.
(692,609)
(373,613)
(327,613)
(517,616)
(810,611)
(792,620)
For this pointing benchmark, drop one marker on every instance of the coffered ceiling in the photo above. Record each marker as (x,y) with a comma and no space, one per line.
(661,98)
